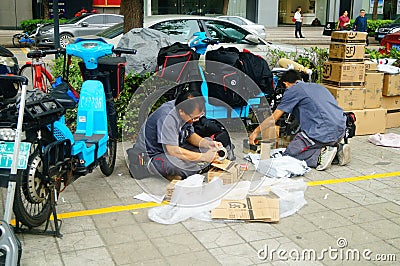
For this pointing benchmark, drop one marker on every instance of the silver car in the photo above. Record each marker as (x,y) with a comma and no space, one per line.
(87,24)
(247,24)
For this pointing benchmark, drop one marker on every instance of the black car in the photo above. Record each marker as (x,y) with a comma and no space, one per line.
(393,27)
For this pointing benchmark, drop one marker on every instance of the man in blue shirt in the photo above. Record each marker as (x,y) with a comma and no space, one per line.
(360,24)
(322,123)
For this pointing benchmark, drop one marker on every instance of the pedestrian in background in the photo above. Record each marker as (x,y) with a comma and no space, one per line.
(360,24)
(343,21)
(298,23)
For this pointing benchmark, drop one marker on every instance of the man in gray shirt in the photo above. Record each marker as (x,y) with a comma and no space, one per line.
(168,138)
(322,122)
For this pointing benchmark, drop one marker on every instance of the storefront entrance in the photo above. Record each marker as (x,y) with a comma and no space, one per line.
(287,9)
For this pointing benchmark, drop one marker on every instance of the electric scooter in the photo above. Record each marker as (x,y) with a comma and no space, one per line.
(57,156)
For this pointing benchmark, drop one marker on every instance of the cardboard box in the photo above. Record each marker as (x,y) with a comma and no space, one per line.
(391,102)
(228,171)
(342,52)
(349,37)
(170,190)
(370,121)
(393,118)
(370,66)
(343,74)
(348,98)
(251,209)
(373,89)
(391,85)
(270,135)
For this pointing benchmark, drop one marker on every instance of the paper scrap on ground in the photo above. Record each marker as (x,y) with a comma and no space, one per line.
(149,197)
(388,140)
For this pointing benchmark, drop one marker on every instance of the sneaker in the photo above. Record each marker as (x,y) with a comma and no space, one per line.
(325,159)
(343,154)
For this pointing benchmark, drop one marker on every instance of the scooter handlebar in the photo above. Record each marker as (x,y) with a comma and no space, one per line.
(119,51)
(43,53)
(15,78)
(210,41)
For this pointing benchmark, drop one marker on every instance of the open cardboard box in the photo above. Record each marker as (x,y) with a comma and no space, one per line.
(250,209)
(227,170)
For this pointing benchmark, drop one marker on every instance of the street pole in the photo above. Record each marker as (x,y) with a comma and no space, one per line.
(56,26)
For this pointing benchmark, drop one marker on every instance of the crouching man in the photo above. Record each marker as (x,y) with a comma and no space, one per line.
(322,123)
(174,150)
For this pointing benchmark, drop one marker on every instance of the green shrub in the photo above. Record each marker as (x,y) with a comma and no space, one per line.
(372,25)
(312,58)
(31,24)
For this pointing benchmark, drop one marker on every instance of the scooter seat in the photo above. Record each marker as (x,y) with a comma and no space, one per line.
(85,147)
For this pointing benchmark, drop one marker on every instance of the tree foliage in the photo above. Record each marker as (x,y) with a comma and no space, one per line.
(133,14)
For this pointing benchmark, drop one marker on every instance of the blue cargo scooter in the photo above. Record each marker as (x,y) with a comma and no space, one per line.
(57,156)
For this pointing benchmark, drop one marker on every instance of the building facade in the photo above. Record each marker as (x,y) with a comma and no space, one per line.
(270,13)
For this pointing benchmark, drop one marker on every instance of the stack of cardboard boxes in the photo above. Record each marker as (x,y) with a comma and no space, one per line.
(357,86)
(391,99)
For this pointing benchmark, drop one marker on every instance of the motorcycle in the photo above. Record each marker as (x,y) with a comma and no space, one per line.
(57,156)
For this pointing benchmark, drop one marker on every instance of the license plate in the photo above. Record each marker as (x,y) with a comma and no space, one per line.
(6,154)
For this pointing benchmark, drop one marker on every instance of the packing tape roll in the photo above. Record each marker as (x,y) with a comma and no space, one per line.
(222,153)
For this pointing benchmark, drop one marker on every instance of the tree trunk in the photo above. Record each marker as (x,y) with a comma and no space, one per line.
(46,11)
(225,7)
(133,14)
(375,10)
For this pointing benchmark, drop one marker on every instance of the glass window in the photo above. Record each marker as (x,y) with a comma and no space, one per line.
(96,20)
(226,32)
(237,21)
(114,19)
(112,32)
(181,29)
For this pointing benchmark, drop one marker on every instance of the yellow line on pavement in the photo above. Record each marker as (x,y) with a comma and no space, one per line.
(111,209)
(351,179)
(24,50)
(137,206)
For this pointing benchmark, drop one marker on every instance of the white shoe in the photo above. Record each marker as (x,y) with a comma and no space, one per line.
(325,159)
(343,154)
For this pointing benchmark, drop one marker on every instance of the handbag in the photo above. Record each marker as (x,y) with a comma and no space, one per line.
(293,19)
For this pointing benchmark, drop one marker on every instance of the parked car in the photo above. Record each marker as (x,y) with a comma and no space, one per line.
(393,27)
(112,34)
(227,33)
(182,27)
(390,41)
(78,26)
(247,24)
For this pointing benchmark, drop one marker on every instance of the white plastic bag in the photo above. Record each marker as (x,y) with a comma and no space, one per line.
(289,191)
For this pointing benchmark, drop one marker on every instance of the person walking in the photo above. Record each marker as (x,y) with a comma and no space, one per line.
(360,24)
(343,21)
(298,23)
(322,122)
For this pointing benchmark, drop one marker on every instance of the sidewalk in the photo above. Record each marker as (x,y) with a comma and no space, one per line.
(354,207)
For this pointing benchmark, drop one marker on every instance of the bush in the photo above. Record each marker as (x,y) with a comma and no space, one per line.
(30,25)
(372,25)
(312,58)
